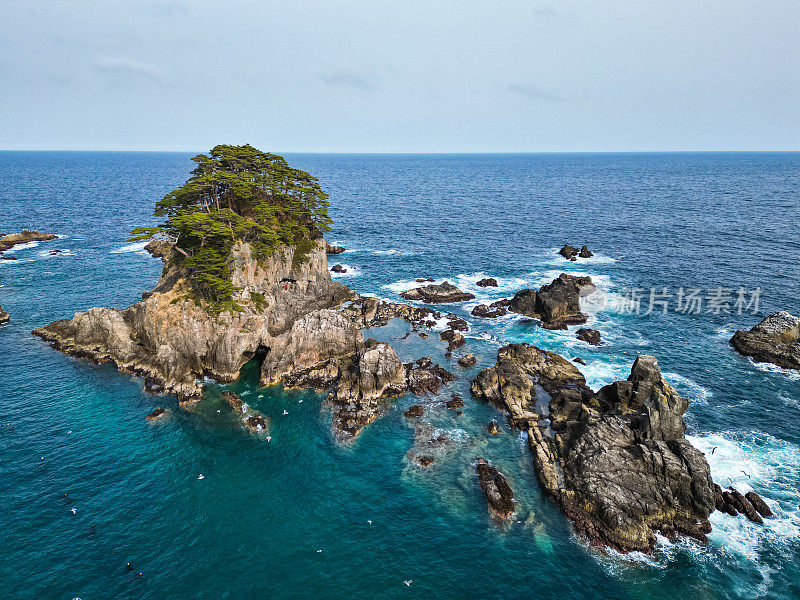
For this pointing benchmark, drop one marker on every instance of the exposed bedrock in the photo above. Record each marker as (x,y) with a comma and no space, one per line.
(616,462)
(374,373)
(26,235)
(556,304)
(776,340)
(172,342)
(572,253)
(331,249)
(442,293)
(499,497)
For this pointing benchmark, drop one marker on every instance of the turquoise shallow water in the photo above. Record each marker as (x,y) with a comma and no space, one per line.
(288,517)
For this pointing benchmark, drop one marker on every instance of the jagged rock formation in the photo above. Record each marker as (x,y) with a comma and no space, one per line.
(442,293)
(572,253)
(776,340)
(499,496)
(331,249)
(590,336)
(468,360)
(487,282)
(173,342)
(376,372)
(26,235)
(289,313)
(616,462)
(4,317)
(556,304)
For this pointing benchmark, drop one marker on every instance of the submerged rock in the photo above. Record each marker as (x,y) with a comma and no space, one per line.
(442,293)
(156,414)
(556,304)
(233,401)
(776,340)
(26,235)
(499,496)
(430,444)
(590,336)
(616,462)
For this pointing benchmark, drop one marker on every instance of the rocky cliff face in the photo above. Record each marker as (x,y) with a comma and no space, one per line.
(776,339)
(616,462)
(173,343)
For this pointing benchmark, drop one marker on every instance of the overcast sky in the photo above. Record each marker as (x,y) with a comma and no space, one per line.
(400,76)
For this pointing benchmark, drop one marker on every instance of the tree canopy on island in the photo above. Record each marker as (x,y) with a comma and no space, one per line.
(238,193)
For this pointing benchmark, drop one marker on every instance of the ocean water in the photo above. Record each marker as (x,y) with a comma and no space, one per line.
(300,516)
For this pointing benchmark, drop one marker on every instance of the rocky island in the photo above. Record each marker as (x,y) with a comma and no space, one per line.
(776,339)
(26,235)
(4,317)
(616,461)
(556,304)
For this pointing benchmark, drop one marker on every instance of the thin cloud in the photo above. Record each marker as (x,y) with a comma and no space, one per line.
(533,91)
(349,78)
(547,12)
(129,67)
(168,8)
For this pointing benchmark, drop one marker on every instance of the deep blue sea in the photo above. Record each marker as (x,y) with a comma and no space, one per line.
(302,517)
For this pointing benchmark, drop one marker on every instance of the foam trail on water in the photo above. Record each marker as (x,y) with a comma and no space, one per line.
(137,247)
(349,271)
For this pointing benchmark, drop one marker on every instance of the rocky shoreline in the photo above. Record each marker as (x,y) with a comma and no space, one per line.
(616,462)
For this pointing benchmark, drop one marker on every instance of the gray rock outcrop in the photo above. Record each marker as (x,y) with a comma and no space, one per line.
(616,462)
(775,340)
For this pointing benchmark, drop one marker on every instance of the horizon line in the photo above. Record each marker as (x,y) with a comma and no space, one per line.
(415,153)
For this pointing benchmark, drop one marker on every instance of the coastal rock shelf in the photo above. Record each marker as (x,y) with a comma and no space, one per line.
(26,235)
(443,293)
(616,462)
(776,340)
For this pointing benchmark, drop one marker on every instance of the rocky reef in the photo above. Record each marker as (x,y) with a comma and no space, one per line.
(443,293)
(26,235)
(572,253)
(616,462)
(776,340)
(499,496)
(556,304)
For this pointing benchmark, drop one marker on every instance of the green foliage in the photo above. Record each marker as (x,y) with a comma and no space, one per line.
(238,193)
(259,300)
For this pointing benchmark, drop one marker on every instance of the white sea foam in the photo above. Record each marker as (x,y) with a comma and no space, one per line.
(55,252)
(19,247)
(770,368)
(689,388)
(599,373)
(760,462)
(137,247)
(407,284)
(350,271)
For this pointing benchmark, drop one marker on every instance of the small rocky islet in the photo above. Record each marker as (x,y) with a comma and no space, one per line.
(616,461)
